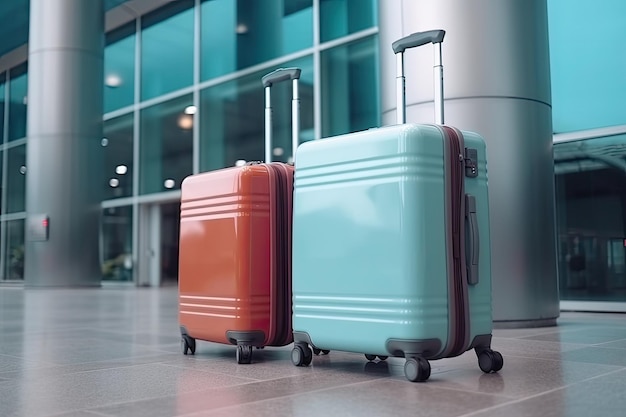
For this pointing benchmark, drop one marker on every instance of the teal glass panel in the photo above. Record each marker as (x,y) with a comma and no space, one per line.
(237,34)
(117,244)
(233,118)
(588,72)
(117,147)
(342,17)
(2,104)
(350,88)
(167,49)
(591,218)
(166,145)
(119,68)
(16,179)
(14,250)
(18,102)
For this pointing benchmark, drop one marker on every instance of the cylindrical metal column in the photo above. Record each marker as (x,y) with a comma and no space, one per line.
(64,143)
(497,83)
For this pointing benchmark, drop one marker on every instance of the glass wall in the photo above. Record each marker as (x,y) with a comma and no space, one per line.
(591,218)
(14,250)
(233,118)
(349,87)
(240,33)
(18,102)
(117,146)
(167,49)
(16,179)
(343,17)
(588,74)
(3,100)
(119,68)
(166,146)
(117,244)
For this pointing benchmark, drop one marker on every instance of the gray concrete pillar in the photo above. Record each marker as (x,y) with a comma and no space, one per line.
(64,142)
(497,83)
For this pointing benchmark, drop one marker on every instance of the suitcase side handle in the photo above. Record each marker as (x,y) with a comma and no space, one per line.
(472,242)
(418,39)
(276,76)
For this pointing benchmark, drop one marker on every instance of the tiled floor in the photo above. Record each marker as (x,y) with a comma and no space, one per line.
(116,352)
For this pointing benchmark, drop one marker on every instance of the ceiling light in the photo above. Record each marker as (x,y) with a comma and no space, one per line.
(169,183)
(278,151)
(113,80)
(23,169)
(191,110)
(104,142)
(241,29)
(114,182)
(240,162)
(121,169)
(185,121)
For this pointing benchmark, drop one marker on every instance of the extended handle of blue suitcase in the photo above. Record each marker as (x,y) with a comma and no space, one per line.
(411,41)
(276,76)
(472,240)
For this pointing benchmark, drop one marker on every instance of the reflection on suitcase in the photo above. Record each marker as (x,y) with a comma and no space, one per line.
(391,250)
(235,251)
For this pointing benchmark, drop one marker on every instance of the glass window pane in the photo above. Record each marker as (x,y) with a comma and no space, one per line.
(342,17)
(18,101)
(233,118)
(166,145)
(16,179)
(240,33)
(119,68)
(14,252)
(167,49)
(591,218)
(118,157)
(117,244)
(2,102)
(588,76)
(350,88)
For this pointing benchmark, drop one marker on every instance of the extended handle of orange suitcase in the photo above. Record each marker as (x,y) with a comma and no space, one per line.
(276,76)
(411,41)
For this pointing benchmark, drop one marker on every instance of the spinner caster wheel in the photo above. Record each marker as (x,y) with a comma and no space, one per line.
(417,369)
(490,361)
(301,355)
(370,357)
(244,354)
(188,345)
(382,358)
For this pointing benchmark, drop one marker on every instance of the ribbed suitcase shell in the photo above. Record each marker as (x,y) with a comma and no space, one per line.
(369,242)
(235,238)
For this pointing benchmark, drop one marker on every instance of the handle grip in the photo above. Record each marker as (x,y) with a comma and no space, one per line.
(276,76)
(281,74)
(472,240)
(418,39)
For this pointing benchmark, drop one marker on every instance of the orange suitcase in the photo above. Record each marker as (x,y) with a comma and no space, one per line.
(235,249)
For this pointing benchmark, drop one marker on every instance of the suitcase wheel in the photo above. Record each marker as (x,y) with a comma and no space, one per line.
(373,357)
(490,361)
(417,369)
(244,354)
(317,351)
(188,344)
(301,355)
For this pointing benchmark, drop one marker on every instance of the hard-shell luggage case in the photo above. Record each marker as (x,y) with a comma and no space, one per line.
(235,249)
(391,250)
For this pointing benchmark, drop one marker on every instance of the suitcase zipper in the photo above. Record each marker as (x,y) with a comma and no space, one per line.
(459,320)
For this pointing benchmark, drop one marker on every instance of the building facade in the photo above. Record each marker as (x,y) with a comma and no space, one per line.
(181,94)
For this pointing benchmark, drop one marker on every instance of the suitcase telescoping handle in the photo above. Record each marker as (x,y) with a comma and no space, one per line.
(411,41)
(282,74)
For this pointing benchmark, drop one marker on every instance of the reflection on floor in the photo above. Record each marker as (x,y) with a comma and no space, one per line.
(116,352)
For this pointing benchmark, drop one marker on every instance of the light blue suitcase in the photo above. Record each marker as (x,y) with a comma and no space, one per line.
(391,252)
